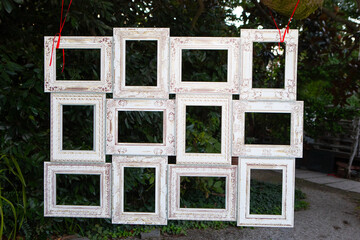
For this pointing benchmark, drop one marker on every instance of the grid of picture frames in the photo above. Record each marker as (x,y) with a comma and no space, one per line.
(156,98)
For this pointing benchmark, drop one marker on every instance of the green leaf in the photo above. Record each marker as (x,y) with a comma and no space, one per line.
(8,6)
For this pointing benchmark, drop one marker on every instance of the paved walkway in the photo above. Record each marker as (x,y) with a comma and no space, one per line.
(328,180)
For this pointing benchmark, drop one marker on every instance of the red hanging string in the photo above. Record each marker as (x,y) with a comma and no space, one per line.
(282,39)
(62,23)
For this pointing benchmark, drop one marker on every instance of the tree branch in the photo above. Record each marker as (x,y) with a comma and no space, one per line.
(358,4)
(198,14)
(332,15)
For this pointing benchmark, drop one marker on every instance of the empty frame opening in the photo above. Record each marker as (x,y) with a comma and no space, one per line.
(140,126)
(141,63)
(203,129)
(267,128)
(80,64)
(139,189)
(78,189)
(202,192)
(204,65)
(266,192)
(268,65)
(78,127)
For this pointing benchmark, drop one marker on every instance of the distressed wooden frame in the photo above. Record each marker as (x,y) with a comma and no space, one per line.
(177,213)
(232,45)
(51,209)
(295,149)
(51,84)
(119,215)
(286,219)
(247,92)
(167,147)
(56,133)
(183,100)
(161,35)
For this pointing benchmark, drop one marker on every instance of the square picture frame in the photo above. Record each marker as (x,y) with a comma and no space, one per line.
(161,35)
(286,219)
(184,100)
(167,147)
(248,37)
(51,84)
(232,45)
(51,209)
(119,215)
(56,133)
(295,149)
(175,212)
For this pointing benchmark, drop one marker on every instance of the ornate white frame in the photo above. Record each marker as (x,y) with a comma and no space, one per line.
(119,215)
(232,45)
(161,35)
(167,147)
(56,136)
(183,100)
(295,149)
(248,36)
(102,43)
(177,213)
(286,219)
(51,209)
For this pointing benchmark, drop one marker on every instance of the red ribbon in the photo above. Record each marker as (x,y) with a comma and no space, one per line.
(287,27)
(62,23)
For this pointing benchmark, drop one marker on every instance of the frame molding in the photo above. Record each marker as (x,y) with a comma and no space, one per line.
(232,45)
(56,133)
(161,35)
(51,209)
(102,86)
(248,36)
(295,149)
(286,219)
(122,217)
(183,100)
(177,213)
(165,148)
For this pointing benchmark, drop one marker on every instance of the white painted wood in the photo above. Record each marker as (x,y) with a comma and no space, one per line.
(51,209)
(161,35)
(51,84)
(183,100)
(119,215)
(295,149)
(232,45)
(167,147)
(286,219)
(247,92)
(56,133)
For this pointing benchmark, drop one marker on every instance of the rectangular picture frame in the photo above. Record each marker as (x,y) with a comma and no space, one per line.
(56,133)
(247,92)
(286,219)
(119,215)
(51,84)
(167,147)
(51,209)
(295,149)
(232,45)
(161,35)
(175,212)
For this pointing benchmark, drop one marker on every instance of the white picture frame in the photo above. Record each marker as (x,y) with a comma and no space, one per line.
(51,209)
(119,215)
(167,147)
(295,149)
(56,134)
(224,101)
(286,219)
(161,35)
(175,212)
(232,45)
(248,37)
(104,85)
